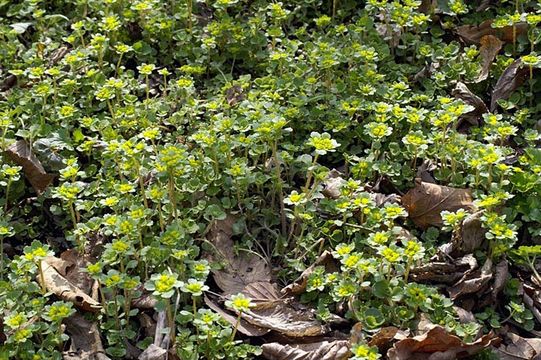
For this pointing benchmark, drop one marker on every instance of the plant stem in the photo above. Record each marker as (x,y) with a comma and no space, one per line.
(279,188)
(7,196)
(236,327)
(42,278)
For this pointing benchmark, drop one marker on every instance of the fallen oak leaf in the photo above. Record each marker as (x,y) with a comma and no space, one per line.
(472,282)
(462,92)
(299,285)
(517,347)
(21,154)
(243,326)
(437,343)
(64,289)
(490,47)
(249,274)
(426,201)
(85,340)
(321,350)
(512,77)
(472,34)
(238,270)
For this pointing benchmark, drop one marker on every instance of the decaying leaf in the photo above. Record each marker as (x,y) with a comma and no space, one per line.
(250,274)
(238,270)
(472,34)
(21,154)
(490,47)
(243,327)
(299,285)
(85,340)
(322,350)
(438,344)
(234,95)
(426,201)
(65,290)
(462,92)
(444,272)
(332,184)
(145,301)
(513,77)
(501,275)
(471,235)
(519,348)
(285,318)
(153,352)
(424,171)
(472,282)
(385,336)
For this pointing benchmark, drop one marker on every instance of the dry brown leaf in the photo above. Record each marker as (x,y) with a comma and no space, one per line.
(332,184)
(243,327)
(145,302)
(426,201)
(383,338)
(65,290)
(501,274)
(512,77)
(287,318)
(85,340)
(153,352)
(490,47)
(472,34)
(472,282)
(322,350)
(444,272)
(299,285)
(462,92)
(234,95)
(471,236)
(518,348)
(239,269)
(438,344)
(250,274)
(21,154)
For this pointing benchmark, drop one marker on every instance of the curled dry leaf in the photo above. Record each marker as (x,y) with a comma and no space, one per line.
(472,34)
(462,92)
(234,95)
(67,291)
(250,274)
(299,285)
(501,274)
(85,340)
(471,235)
(332,184)
(385,336)
(512,77)
(243,327)
(153,352)
(285,318)
(321,350)
(490,47)
(238,270)
(21,154)
(426,201)
(472,282)
(444,272)
(437,343)
(519,348)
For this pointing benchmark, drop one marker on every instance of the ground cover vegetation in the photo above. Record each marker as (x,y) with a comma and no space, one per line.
(228,179)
